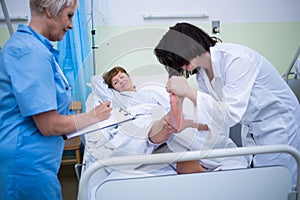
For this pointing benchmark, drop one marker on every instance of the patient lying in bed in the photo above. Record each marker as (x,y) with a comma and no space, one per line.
(133,137)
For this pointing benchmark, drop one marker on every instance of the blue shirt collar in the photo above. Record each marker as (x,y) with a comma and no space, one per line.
(41,38)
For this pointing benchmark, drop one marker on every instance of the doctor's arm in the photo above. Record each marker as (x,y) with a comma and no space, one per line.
(179,86)
(162,129)
(52,123)
(210,113)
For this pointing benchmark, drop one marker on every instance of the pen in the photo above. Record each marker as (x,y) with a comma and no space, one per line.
(100,103)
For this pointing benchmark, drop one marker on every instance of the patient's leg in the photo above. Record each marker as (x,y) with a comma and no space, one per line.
(176,111)
(186,167)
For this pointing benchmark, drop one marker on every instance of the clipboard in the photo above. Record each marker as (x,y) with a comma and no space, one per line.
(118,116)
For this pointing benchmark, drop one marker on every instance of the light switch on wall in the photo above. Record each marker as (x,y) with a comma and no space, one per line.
(215,26)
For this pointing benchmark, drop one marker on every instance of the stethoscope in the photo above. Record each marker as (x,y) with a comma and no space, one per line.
(68,87)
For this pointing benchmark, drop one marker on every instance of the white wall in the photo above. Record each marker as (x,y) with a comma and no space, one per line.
(114,12)
(269,26)
(16,8)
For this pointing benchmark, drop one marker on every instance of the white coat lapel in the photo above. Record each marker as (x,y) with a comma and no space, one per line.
(209,85)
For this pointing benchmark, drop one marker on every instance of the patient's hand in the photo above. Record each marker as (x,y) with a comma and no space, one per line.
(176,111)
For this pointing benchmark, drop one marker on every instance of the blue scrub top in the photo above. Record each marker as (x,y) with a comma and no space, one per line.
(29,84)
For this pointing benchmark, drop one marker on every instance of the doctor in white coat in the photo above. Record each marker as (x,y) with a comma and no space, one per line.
(243,88)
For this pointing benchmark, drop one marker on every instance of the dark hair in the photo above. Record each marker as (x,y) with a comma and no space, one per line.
(181,44)
(108,76)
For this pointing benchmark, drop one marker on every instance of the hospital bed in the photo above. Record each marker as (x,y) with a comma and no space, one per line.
(264,183)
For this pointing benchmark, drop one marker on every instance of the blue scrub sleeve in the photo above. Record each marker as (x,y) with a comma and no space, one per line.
(33,82)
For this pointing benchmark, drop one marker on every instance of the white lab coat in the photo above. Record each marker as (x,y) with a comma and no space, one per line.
(248,90)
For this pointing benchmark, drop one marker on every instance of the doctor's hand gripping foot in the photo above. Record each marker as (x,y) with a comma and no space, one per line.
(176,111)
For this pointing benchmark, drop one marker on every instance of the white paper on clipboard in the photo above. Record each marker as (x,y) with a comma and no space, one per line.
(117,117)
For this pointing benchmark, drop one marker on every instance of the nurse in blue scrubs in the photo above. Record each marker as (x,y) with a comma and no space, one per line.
(34,104)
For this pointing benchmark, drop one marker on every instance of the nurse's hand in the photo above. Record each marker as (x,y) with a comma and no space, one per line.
(102,111)
(179,86)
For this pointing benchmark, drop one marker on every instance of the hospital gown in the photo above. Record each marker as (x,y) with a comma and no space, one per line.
(132,138)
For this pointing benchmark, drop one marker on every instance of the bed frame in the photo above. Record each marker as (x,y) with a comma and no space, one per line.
(262,183)
(293,82)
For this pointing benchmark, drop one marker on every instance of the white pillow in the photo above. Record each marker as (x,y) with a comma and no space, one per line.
(100,90)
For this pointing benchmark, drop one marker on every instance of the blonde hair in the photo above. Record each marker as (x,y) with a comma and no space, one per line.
(54,6)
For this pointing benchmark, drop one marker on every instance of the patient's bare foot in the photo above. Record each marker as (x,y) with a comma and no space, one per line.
(176,111)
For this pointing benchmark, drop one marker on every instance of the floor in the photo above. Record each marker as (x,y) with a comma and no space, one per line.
(69,182)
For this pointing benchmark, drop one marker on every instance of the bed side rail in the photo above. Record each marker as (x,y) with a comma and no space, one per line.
(185,156)
(290,67)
